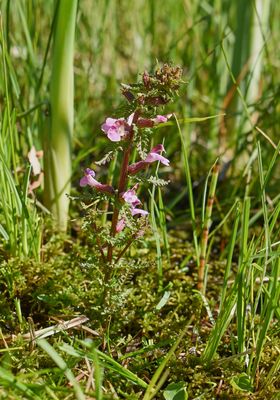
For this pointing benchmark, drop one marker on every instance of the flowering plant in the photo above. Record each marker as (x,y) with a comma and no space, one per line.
(131,133)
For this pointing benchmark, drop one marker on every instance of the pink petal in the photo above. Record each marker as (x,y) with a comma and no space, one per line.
(84,181)
(155,156)
(157,149)
(90,181)
(114,135)
(130,197)
(151,157)
(136,211)
(114,128)
(130,194)
(89,171)
(111,121)
(120,225)
(159,119)
(108,124)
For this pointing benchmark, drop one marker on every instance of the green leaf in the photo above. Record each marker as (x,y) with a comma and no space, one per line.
(3,232)
(176,391)
(242,382)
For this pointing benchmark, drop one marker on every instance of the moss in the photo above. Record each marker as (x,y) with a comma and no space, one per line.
(69,282)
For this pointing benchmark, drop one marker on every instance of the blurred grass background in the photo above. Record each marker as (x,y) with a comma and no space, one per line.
(117,40)
(228,52)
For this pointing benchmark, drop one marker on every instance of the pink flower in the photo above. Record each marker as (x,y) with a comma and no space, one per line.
(89,180)
(150,122)
(154,155)
(117,129)
(135,211)
(120,225)
(159,119)
(131,198)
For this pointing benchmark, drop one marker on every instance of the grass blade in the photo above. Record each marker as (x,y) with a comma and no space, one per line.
(63,366)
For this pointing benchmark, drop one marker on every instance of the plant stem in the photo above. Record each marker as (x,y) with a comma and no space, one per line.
(206,226)
(122,184)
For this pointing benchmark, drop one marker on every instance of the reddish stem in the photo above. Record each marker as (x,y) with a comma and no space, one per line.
(122,184)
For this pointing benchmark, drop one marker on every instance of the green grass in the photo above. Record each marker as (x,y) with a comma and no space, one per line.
(58,130)
(155,334)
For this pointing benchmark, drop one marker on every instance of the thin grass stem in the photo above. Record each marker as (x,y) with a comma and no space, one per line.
(206,226)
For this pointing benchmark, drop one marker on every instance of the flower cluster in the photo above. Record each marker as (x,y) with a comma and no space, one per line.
(117,130)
